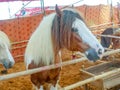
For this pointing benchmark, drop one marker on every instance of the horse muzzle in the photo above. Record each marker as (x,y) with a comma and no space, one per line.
(8,65)
(92,55)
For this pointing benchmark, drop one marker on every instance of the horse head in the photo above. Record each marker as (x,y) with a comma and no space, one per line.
(6,58)
(74,34)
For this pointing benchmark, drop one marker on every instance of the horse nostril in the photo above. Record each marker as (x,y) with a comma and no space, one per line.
(100,51)
(5,65)
(10,64)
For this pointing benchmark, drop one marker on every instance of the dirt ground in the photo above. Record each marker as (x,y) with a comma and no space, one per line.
(70,74)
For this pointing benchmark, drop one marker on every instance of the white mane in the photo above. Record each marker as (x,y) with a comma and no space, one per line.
(4,39)
(40,48)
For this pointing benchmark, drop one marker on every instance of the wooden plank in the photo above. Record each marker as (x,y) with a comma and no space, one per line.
(108,81)
(96,85)
(92,79)
(112,81)
(87,72)
(104,67)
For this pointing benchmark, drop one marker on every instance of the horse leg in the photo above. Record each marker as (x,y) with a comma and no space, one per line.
(53,88)
(36,88)
(56,87)
(54,76)
(56,73)
(41,88)
(38,79)
(37,85)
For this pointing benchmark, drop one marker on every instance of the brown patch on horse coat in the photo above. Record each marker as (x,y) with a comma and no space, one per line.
(75,46)
(47,76)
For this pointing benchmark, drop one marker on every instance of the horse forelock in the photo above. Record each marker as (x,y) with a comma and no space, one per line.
(62,27)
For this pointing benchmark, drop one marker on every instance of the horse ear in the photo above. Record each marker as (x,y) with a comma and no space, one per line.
(58,12)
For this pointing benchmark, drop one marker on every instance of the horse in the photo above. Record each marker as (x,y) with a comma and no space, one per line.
(106,42)
(62,29)
(6,58)
(116,41)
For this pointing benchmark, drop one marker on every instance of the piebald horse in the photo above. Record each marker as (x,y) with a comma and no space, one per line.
(107,41)
(6,58)
(63,29)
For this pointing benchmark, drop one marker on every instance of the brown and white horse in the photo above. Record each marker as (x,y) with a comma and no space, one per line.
(63,29)
(6,58)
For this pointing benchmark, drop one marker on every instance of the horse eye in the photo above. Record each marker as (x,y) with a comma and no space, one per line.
(100,51)
(74,30)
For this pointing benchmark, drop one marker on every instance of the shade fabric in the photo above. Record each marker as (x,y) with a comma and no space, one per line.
(16,0)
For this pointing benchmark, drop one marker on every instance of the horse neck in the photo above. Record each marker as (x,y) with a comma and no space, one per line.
(56,46)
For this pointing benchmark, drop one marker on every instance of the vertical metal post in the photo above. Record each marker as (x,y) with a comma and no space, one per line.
(9,10)
(107,2)
(111,11)
(42,7)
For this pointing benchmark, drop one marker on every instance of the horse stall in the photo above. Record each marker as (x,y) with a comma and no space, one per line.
(19,31)
(107,82)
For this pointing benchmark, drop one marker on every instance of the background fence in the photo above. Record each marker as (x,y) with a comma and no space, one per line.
(20,29)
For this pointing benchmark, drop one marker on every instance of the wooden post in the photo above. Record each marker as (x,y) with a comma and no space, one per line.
(32,71)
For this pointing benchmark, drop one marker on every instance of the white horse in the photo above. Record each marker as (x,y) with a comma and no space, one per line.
(6,58)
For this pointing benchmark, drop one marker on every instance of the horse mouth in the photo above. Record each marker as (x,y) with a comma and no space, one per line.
(8,65)
(93,58)
(92,55)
